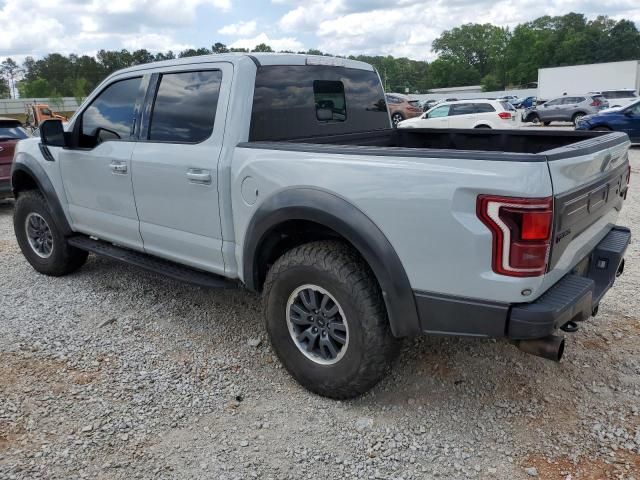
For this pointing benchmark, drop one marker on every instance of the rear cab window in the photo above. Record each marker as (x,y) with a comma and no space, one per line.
(294,101)
(331,104)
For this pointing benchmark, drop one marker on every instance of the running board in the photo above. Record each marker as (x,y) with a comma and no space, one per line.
(151,263)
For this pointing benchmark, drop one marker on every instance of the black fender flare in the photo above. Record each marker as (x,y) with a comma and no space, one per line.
(30,167)
(334,212)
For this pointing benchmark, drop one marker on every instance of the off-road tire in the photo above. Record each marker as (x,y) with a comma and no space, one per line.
(64,259)
(371,348)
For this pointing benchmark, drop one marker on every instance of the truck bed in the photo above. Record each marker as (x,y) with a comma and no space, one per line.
(508,145)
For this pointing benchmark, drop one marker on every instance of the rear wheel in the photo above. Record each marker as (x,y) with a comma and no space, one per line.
(546,124)
(576,118)
(534,118)
(483,126)
(41,241)
(327,321)
(396,118)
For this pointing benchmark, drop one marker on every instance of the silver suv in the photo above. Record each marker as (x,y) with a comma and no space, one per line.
(568,108)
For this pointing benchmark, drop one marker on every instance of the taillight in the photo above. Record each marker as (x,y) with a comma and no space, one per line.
(596,103)
(521,229)
(505,115)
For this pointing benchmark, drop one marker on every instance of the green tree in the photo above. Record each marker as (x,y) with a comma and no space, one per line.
(10,71)
(449,72)
(219,48)
(4,88)
(490,83)
(38,88)
(480,46)
(263,47)
(194,52)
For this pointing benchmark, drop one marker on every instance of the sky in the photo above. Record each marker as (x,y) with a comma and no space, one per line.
(342,27)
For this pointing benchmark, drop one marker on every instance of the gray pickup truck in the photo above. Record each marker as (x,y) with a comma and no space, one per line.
(280,173)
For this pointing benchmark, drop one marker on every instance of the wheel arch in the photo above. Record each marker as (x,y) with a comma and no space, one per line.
(29,175)
(336,218)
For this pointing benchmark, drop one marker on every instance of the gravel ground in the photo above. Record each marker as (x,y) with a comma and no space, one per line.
(116,373)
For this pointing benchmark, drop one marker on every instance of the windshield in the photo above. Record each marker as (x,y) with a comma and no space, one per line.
(11,132)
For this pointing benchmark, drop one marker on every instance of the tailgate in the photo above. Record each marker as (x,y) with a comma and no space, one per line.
(590,181)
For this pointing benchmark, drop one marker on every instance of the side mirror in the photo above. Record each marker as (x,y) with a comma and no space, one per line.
(628,113)
(52,133)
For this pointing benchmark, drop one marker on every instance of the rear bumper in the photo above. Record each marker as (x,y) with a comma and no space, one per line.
(573,298)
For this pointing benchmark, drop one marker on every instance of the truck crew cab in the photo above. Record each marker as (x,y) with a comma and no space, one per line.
(281,173)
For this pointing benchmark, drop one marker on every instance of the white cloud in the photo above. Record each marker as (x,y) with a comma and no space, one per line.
(239,29)
(286,43)
(408,27)
(34,27)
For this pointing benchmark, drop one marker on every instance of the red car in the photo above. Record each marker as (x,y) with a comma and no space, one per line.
(11,132)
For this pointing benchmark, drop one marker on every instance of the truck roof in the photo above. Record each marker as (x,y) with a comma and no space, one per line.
(259,58)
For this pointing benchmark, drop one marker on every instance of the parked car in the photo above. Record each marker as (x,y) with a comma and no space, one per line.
(621,119)
(230,170)
(507,98)
(524,102)
(11,132)
(567,108)
(428,104)
(466,114)
(402,107)
(619,98)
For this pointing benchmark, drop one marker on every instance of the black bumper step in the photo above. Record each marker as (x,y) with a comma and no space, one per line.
(574,297)
(151,263)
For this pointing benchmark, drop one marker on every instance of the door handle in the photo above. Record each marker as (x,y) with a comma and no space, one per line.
(196,175)
(119,168)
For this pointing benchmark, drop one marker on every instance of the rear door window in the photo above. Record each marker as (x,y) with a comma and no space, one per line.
(485,107)
(184,109)
(462,109)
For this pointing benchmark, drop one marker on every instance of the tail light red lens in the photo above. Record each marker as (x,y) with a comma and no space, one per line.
(596,103)
(521,230)
(504,115)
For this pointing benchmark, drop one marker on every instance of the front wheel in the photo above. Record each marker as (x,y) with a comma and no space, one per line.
(41,241)
(327,321)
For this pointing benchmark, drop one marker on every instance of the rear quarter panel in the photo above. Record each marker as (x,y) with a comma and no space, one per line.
(426,207)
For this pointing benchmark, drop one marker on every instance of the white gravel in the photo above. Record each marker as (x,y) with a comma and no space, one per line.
(117,373)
